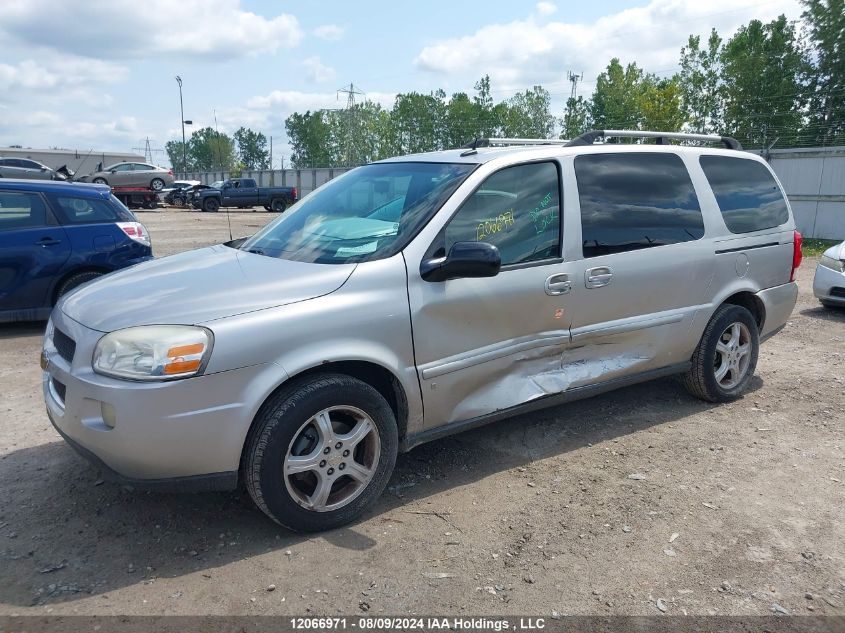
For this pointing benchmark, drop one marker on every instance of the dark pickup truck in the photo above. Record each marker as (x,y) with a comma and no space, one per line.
(244,192)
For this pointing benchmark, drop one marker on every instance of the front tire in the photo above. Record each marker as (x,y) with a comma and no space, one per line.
(726,356)
(320,452)
(100,181)
(211,205)
(75,280)
(156,184)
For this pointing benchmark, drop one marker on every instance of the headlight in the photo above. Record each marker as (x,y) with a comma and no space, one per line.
(153,352)
(834,264)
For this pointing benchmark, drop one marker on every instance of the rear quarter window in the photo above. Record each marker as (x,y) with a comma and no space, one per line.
(747,194)
(77,210)
(630,201)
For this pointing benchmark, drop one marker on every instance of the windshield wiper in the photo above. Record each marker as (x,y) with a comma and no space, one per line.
(257,251)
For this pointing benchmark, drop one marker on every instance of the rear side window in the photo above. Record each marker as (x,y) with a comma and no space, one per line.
(76,210)
(747,194)
(21,210)
(635,200)
(246,183)
(517,210)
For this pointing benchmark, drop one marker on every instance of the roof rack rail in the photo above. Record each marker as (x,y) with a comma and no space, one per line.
(588,138)
(501,142)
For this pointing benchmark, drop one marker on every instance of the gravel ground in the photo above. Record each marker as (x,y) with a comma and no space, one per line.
(641,501)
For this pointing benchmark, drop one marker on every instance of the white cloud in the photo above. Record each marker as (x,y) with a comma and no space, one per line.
(317,71)
(330,32)
(66,73)
(288,101)
(521,53)
(546,8)
(125,30)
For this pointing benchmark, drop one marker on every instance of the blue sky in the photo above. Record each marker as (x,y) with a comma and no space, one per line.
(100,73)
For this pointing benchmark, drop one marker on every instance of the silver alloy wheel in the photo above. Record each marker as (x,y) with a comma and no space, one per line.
(332,458)
(157,184)
(733,354)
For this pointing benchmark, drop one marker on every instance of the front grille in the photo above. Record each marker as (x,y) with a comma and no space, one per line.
(60,389)
(837,292)
(65,346)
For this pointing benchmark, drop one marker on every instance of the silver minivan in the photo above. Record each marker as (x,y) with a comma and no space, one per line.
(417,297)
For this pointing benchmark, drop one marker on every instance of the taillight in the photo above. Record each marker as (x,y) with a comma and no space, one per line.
(136,231)
(170,171)
(796,253)
(294,192)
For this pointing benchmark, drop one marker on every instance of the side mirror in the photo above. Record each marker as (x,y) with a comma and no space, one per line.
(111,171)
(43,169)
(465,259)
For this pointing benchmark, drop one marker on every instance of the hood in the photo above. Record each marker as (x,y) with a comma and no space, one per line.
(836,252)
(199,286)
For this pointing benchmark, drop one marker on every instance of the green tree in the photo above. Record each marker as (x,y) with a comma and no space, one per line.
(462,122)
(826,25)
(528,115)
(616,100)
(659,104)
(252,149)
(763,71)
(209,150)
(698,81)
(178,157)
(576,117)
(310,138)
(418,121)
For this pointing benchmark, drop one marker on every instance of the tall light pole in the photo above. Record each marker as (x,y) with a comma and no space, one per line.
(184,147)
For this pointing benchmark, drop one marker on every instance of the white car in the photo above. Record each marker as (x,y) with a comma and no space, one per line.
(829,282)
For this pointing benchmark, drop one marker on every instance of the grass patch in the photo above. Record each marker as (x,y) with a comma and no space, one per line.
(812,247)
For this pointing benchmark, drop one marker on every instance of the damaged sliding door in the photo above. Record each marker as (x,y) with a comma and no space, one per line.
(487,344)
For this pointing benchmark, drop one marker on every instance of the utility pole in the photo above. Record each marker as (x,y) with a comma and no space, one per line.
(184,148)
(350,93)
(148,151)
(574,79)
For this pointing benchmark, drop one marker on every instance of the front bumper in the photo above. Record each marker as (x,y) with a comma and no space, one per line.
(178,434)
(827,282)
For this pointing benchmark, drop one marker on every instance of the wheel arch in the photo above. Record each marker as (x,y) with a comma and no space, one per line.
(751,302)
(377,376)
(87,268)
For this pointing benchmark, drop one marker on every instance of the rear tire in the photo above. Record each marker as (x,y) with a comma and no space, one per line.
(156,184)
(726,356)
(330,434)
(76,280)
(211,205)
(278,205)
(830,305)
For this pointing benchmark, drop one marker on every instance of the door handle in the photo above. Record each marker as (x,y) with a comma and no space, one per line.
(598,276)
(48,241)
(558,284)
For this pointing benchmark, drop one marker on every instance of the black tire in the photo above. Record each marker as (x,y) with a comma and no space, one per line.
(100,181)
(75,280)
(179,201)
(280,421)
(212,205)
(701,380)
(278,205)
(830,305)
(156,184)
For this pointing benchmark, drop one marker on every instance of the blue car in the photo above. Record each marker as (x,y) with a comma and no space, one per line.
(55,236)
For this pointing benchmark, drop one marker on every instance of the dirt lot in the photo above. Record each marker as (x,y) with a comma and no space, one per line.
(637,499)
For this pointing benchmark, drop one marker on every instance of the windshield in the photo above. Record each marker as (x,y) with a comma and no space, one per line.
(216,184)
(369,213)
